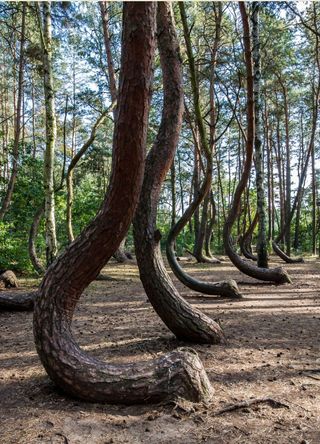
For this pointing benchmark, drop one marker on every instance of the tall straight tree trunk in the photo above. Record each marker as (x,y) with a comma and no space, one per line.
(79,374)
(173,194)
(107,44)
(268,139)
(278,152)
(314,203)
(51,130)
(18,118)
(288,175)
(262,251)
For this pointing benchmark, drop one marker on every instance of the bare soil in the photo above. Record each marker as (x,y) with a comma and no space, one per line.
(272,351)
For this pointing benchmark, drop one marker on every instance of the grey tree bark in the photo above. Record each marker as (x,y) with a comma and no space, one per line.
(51,130)
(262,248)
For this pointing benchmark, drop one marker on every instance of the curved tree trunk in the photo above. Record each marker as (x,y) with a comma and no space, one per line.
(120,255)
(245,240)
(38,266)
(179,316)
(284,256)
(176,374)
(209,228)
(201,238)
(226,288)
(277,275)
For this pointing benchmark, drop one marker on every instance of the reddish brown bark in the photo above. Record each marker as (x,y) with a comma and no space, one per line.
(184,321)
(179,373)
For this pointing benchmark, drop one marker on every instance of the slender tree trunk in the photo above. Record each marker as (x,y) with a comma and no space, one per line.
(268,139)
(288,176)
(262,250)
(246,239)
(296,240)
(51,129)
(314,203)
(173,194)
(18,118)
(196,188)
(36,262)
(107,44)
(69,205)
(73,164)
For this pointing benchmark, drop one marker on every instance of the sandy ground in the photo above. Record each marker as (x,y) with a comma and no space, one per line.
(272,348)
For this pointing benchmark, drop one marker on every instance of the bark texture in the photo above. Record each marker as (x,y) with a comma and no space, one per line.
(179,316)
(277,275)
(177,374)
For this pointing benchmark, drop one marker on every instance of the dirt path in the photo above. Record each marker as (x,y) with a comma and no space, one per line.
(273,343)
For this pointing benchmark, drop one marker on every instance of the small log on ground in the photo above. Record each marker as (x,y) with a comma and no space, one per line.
(17,300)
(9,279)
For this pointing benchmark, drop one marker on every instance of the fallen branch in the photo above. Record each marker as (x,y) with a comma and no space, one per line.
(312,376)
(239,405)
(17,300)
